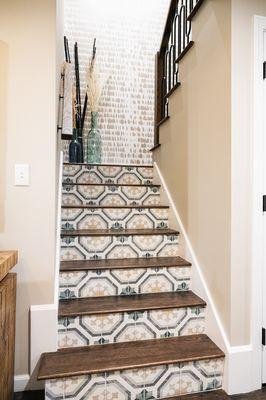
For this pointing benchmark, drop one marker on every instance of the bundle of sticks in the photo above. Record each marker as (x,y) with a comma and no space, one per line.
(80,113)
(77,118)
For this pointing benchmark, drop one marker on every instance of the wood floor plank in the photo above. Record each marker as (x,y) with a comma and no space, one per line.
(111,165)
(120,232)
(110,184)
(129,355)
(124,263)
(138,302)
(212,395)
(129,206)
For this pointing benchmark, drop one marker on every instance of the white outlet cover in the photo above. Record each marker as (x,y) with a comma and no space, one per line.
(22,175)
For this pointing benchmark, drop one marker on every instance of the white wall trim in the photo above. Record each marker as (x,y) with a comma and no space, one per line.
(58,229)
(238,375)
(258,143)
(43,332)
(20,382)
(43,318)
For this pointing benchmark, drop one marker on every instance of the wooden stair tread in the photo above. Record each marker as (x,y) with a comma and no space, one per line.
(130,206)
(126,303)
(211,395)
(184,51)
(163,120)
(156,146)
(195,10)
(124,263)
(128,355)
(120,232)
(151,185)
(112,165)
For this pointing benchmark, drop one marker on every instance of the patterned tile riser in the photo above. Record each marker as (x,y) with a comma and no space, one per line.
(107,174)
(129,326)
(140,384)
(97,283)
(116,219)
(110,195)
(143,383)
(114,247)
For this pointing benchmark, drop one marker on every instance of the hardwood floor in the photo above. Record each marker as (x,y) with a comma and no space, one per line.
(39,395)
(33,395)
(258,395)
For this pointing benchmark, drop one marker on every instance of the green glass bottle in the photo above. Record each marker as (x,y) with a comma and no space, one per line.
(94,154)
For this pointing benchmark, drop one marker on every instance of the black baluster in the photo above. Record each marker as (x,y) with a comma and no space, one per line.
(188,24)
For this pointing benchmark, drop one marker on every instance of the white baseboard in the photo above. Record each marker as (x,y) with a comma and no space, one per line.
(43,332)
(238,376)
(239,371)
(20,382)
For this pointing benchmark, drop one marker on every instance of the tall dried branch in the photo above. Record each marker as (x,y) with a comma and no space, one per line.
(95,86)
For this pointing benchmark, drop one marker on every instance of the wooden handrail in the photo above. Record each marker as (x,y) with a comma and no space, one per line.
(176,41)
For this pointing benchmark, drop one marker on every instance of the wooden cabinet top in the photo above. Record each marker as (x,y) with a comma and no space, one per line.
(8,259)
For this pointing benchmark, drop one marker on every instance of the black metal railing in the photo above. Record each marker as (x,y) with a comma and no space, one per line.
(176,42)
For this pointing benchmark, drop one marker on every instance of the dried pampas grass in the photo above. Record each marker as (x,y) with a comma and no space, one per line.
(95,84)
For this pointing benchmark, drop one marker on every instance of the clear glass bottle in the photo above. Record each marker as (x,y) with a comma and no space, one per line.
(94,154)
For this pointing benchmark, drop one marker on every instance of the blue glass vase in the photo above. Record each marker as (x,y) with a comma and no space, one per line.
(75,149)
(94,154)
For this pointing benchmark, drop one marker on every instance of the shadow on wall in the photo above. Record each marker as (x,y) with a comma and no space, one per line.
(3,113)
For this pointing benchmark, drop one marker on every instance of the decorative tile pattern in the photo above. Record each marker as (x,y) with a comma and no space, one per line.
(140,384)
(97,247)
(129,326)
(107,174)
(110,195)
(113,218)
(123,281)
(126,56)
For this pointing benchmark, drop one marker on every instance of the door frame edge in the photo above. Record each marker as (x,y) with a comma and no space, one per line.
(258,164)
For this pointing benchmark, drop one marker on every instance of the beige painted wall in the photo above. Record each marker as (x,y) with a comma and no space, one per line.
(207,142)
(242,92)
(195,154)
(28,52)
(3,96)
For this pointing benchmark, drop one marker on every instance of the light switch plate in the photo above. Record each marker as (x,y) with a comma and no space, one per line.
(22,175)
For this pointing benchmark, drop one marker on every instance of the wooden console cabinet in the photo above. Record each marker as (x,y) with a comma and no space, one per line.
(7,323)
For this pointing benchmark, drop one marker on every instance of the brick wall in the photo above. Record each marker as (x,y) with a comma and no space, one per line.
(128,35)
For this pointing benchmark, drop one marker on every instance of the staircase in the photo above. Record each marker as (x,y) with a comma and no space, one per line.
(129,328)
